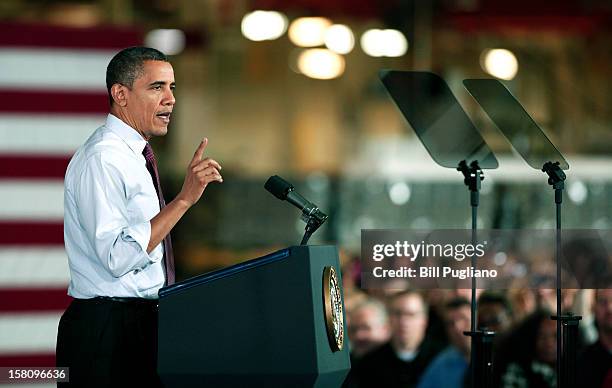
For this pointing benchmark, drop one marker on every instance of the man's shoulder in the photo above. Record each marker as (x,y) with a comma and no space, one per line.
(447,367)
(105,140)
(102,148)
(447,357)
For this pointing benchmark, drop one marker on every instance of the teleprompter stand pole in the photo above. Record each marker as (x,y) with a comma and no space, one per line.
(567,325)
(481,363)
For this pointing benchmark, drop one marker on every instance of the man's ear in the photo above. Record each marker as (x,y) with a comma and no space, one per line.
(119,94)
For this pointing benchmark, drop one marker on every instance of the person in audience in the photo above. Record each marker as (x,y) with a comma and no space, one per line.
(494,312)
(448,369)
(523,301)
(436,300)
(368,328)
(595,363)
(401,361)
(529,354)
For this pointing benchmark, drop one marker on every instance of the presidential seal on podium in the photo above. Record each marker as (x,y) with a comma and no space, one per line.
(334,314)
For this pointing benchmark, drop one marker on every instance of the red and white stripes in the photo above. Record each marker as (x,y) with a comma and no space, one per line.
(52,97)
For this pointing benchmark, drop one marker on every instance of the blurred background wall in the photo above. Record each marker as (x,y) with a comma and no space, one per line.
(270,106)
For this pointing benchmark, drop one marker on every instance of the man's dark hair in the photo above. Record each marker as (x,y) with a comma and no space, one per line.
(128,64)
(456,303)
(496,298)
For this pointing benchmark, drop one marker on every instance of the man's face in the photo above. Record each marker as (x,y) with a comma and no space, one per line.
(367,330)
(458,321)
(603,310)
(493,316)
(408,320)
(151,99)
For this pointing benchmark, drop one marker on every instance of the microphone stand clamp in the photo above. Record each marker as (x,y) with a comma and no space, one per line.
(313,219)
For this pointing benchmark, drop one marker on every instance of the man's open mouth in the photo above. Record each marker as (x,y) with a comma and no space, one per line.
(164,116)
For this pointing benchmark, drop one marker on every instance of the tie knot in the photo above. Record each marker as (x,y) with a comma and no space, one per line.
(148,153)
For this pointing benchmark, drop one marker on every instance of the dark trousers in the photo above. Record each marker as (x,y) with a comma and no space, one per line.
(108,343)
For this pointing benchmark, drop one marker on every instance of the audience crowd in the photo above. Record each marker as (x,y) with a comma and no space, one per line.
(415,338)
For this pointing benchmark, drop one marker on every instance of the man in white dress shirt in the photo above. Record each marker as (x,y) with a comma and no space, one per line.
(116,227)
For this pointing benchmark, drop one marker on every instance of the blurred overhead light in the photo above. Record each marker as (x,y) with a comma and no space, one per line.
(308,32)
(578,192)
(168,41)
(399,193)
(339,39)
(371,42)
(500,63)
(263,25)
(384,43)
(500,258)
(320,64)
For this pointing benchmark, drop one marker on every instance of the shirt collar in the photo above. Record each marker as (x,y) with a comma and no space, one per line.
(128,134)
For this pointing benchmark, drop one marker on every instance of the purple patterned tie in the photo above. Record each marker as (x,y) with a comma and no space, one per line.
(168,255)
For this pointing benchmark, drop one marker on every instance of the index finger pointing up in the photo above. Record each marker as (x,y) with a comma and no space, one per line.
(199,152)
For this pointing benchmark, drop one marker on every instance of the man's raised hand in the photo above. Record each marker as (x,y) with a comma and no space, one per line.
(200,173)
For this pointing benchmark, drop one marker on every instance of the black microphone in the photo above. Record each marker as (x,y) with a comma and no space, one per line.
(284,190)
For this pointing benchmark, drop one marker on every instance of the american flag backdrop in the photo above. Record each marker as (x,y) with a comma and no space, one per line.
(52,97)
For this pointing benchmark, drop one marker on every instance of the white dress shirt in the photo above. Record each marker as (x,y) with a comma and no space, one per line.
(109,200)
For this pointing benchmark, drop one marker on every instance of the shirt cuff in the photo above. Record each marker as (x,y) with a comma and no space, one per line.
(141,234)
